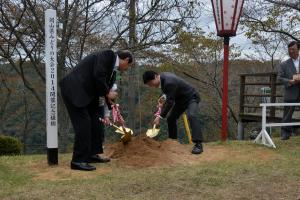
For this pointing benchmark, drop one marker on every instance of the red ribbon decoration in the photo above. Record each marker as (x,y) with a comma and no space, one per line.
(116,115)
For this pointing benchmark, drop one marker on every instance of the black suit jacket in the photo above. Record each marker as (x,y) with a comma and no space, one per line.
(91,78)
(177,90)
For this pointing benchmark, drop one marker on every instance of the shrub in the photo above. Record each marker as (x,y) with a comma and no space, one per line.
(9,146)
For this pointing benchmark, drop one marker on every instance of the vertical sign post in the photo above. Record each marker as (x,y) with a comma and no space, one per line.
(51,86)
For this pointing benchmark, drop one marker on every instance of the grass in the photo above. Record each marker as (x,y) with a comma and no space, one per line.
(244,171)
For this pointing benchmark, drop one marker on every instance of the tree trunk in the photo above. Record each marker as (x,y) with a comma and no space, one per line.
(132,70)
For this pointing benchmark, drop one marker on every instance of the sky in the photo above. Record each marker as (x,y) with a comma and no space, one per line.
(207,23)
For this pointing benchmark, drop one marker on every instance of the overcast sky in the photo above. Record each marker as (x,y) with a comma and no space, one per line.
(207,23)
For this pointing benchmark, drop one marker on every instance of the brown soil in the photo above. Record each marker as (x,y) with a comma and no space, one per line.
(142,151)
(146,152)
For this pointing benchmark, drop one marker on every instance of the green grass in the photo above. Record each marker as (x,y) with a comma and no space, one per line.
(247,171)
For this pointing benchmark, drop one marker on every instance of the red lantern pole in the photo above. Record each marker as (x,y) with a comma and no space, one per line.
(225,90)
(226,15)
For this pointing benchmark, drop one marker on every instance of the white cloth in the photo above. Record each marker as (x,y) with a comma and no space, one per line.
(296,63)
(106,110)
(114,88)
(117,64)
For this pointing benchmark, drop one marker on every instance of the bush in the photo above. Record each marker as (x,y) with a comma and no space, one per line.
(9,146)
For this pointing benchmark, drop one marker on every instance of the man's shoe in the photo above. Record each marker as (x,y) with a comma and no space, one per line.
(82,166)
(197,149)
(98,159)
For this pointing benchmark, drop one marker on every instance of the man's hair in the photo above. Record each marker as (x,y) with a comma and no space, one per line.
(123,54)
(293,43)
(149,76)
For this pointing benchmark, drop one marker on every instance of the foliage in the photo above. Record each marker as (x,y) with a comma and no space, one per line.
(271,25)
(198,58)
(167,38)
(269,17)
(83,27)
(9,146)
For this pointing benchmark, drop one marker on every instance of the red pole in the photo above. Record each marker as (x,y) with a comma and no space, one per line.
(225,90)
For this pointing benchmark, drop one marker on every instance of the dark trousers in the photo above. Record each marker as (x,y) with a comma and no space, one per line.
(191,111)
(288,111)
(89,132)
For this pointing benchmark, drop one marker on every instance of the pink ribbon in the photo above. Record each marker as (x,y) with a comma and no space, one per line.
(157,114)
(116,114)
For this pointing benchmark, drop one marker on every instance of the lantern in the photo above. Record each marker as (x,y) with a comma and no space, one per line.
(226,14)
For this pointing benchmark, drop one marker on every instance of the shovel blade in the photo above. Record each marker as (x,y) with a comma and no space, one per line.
(126,137)
(152,132)
(127,130)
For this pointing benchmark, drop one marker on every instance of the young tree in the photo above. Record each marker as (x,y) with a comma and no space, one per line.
(203,55)
(151,24)
(273,16)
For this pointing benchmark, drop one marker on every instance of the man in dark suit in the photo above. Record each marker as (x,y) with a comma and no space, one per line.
(286,74)
(92,78)
(180,97)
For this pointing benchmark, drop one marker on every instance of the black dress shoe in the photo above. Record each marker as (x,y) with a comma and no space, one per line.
(197,149)
(98,159)
(82,166)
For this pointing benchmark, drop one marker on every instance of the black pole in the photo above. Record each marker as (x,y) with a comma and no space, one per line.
(52,155)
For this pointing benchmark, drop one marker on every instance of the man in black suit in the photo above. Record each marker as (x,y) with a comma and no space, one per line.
(180,97)
(92,78)
(288,70)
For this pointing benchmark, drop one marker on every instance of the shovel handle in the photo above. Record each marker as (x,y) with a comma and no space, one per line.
(154,126)
(111,124)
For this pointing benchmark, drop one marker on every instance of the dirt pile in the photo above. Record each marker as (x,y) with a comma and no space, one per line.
(142,151)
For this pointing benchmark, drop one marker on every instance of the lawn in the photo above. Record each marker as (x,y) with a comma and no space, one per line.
(231,170)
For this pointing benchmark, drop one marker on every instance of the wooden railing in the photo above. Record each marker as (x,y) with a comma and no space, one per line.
(272,83)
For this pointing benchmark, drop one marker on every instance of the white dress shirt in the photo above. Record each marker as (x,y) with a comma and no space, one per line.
(296,64)
(114,88)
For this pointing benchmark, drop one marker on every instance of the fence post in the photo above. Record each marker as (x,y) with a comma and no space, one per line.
(240,130)
(240,135)
(273,94)
(242,92)
(263,135)
(264,121)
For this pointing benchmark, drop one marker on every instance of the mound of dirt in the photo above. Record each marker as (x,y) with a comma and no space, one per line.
(142,151)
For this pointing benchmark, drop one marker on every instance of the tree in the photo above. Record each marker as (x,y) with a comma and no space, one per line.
(267,47)
(199,58)
(273,16)
(22,41)
(150,24)
(84,26)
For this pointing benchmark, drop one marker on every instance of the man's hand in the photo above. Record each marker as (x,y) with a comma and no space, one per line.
(293,82)
(156,121)
(160,104)
(106,121)
(112,95)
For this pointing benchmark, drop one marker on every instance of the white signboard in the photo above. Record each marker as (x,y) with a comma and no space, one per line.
(51,78)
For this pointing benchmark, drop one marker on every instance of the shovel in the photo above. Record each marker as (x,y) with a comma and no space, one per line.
(126,132)
(152,132)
